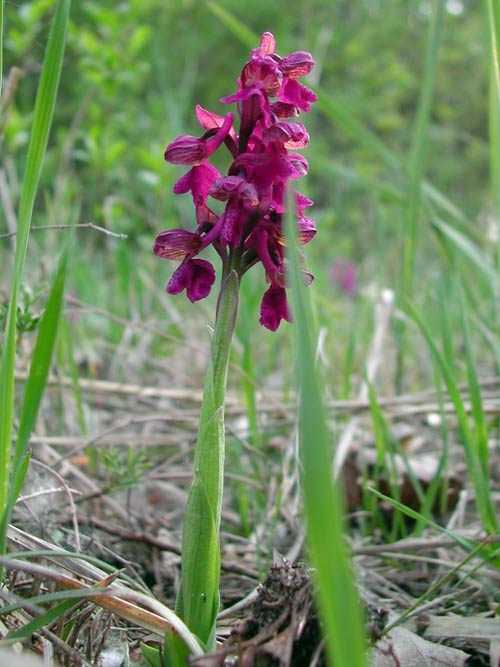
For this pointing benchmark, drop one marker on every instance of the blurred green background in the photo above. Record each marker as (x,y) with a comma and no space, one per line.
(134,71)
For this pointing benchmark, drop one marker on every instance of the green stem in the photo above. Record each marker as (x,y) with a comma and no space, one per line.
(198,600)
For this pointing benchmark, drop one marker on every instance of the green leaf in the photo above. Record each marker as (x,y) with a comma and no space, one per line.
(200,565)
(153,655)
(175,650)
(198,599)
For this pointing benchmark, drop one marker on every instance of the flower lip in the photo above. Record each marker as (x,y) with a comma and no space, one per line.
(274,308)
(198,180)
(295,93)
(196,276)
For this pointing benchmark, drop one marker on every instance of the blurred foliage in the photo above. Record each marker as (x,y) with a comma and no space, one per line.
(135,69)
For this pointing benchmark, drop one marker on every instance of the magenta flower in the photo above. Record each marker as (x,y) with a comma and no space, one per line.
(249,230)
(343,276)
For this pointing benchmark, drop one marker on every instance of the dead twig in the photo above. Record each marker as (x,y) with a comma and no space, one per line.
(80,225)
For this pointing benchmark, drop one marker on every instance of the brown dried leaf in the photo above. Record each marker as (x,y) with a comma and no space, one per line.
(402,648)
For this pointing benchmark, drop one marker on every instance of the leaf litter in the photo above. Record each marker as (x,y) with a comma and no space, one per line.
(117,494)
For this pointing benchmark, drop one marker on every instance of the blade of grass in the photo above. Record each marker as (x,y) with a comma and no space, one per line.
(74,556)
(468,249)
(494,117)
(237,27)
(336,592)
(442,202)
(434,588)
(480,439)
(355,179)
(37,379)
(1,47)
(418,148)
(387,465)
(472,441)
(45,598)
(42,118)
(337,112)
(488,552)
(45,619)
(494,22)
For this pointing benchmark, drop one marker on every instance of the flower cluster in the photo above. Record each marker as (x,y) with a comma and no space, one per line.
(249,230)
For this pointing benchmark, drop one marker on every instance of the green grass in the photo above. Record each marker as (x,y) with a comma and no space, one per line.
(323,504)
(419,149)
(13,471)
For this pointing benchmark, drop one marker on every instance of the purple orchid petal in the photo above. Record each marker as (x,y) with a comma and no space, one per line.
(293,92)
(307,229)
(196,276)
(297,64)
(274,308)
(263,74)
(176,244)
(302,202)
(267,46)
(232,225)
(186,150)
(198,180)
(291,135)
(211,121)
(213,143)
(284,110)
(193,151)
(234,186)
(201,279)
